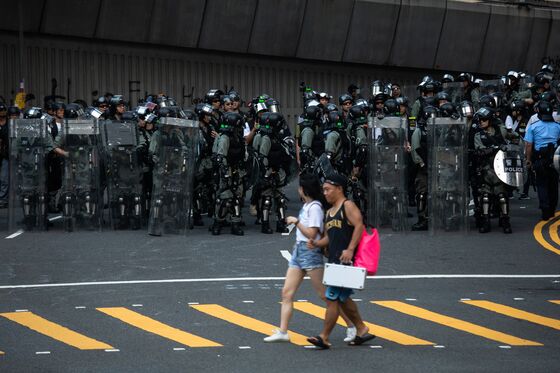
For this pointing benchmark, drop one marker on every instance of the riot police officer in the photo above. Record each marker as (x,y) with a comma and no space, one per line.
(491,190)
(337,143)
(146,128)
(275,167)
(204,186)
(312,143)
(541,140)
(228,158)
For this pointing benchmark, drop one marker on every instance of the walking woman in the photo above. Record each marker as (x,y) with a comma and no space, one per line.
(304,261)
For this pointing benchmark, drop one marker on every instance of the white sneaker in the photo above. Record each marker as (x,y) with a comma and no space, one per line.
(278,336)
(350,334)
(253,210)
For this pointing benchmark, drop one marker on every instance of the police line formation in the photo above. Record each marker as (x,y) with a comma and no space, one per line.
(160,166)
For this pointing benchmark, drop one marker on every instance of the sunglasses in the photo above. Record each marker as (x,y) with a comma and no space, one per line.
(346,103)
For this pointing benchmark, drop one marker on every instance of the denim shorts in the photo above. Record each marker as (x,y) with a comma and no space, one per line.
(304,258)
(335,293)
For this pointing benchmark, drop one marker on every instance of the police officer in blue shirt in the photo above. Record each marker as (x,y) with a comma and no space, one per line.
(541,140)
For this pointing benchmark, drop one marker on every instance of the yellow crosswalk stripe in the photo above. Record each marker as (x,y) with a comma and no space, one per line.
(555,301)
(247,322)
(515,313)
(456,323)
(378,330)
(156,327)
(55,331)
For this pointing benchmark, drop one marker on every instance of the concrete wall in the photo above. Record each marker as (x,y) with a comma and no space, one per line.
(428,34)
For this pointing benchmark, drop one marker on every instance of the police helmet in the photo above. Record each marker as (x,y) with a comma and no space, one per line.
(483,114)
(402,101)
(309,95)
(312,113)
(448,110)
(13,110)
(517,105)
(168,112)
(101,101)
(188,114)
(273,105)
(442,96)
(234,96)
(335,121)
(344,97)
(213,95)
(377,87)
(358,114)
(429,112)
(467,109)
(548,96)
(498,99)
(229,122)
(33,113)
(312,102)
(59,105)
(331,107)
(488,102)
(129,116)
(3,107)
(447,78)
(391,107)
(226,99)
(323,95)
(275,120)
(117,100)
(541,79)
(465,77)
(544,111)
(73,111)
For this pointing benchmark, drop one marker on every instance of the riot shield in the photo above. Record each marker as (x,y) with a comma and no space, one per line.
(173,150)
(508,166)
(124,173)
(455,91)
(81,191)
(488,87)
(290,167)
(28,188)
(447,177)
(387,196)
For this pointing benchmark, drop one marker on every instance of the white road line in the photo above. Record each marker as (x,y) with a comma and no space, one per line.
(439,346)
(112,350)
(518,298)
(42,353)
(55,218)
(505,347)
(376,346)
(22,310)
(411,299)
(13,235)
(244,347)
(80,307)
(230,279)
(286,254)
(179,349)
(137,305)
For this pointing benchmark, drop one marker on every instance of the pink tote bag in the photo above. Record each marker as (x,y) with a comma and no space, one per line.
(367,255)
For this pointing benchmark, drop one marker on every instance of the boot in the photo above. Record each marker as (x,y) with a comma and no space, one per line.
(216,228)
(197,220)
(265,227)
(506,225)
(236,229)
(281,227)
(421,225)
(485,226)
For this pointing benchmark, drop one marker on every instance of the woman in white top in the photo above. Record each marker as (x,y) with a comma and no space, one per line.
(304,261)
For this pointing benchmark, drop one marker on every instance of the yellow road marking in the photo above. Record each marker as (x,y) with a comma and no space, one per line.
(246,321)
(537,233)
(516,313)
(456,323)
(378,330)
(158,328)
(553,231)
(555,301)
(55,331)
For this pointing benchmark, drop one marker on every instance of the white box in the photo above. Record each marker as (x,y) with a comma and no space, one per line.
(344,276)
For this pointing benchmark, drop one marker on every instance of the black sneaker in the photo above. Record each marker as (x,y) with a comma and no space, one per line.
(524,197)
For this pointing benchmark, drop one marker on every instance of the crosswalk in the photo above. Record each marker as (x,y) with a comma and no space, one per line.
(399,333)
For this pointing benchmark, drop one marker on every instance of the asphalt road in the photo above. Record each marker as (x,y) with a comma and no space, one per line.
(129,302)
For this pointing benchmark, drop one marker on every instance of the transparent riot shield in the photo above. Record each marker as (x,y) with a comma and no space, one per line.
(173,149)
(447,178)
(488,87)
(81,191)
(454,90)
(124,173)
(28,188)
(387,195)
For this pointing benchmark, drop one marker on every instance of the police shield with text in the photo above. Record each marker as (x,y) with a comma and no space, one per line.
(448,192)
(172,148)
(124,172)
(81,193)
(387,193)
(29,145)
